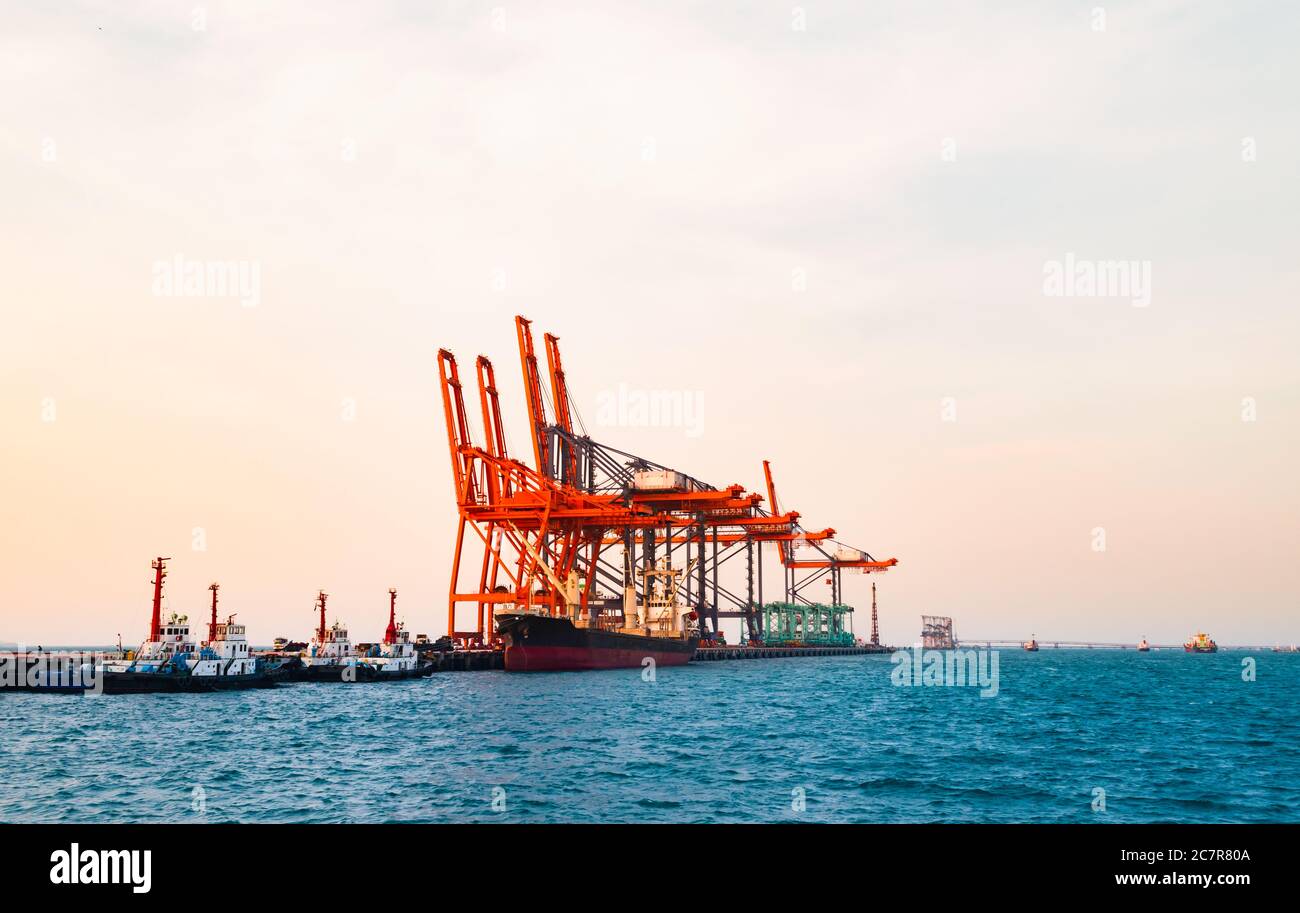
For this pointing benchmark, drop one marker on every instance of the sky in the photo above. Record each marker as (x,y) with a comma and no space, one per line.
(831,228)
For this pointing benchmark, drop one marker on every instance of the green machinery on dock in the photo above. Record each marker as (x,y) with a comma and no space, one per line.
(786,623)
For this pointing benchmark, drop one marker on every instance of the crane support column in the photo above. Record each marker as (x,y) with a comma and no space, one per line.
(702,605)
(714,603)
(750,631)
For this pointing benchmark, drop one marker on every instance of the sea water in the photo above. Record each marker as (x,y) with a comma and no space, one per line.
(1070,736)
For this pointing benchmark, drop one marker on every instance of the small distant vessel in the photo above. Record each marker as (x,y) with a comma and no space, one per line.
(1031,645)
(285,645)
(396,657)
(1144,647)
(1290,649)
(331,657)
(1201,643)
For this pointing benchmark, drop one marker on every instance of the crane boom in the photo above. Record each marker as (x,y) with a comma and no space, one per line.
(533,393)
(458,436)
(563,411)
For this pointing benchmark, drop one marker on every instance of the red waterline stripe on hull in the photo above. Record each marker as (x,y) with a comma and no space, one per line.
(554,659)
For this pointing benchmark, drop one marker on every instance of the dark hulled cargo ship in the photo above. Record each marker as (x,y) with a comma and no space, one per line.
(609,633)
(541,643)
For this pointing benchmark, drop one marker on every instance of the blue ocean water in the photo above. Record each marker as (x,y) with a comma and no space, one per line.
(1167,736)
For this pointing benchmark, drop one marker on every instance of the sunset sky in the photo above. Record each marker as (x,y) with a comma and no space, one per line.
(827,226)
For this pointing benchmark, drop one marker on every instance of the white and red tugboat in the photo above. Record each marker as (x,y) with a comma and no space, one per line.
(330,656)
(227,652)
(396,657)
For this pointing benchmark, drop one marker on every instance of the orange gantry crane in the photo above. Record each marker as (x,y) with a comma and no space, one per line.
(821,561)
(586,515)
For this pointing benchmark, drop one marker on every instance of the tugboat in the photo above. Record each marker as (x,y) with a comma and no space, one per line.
(1201,643)
(331,656)
(662,630)
(1031,645)
(1144,647)
(170,660)
(227,652)
(396,657)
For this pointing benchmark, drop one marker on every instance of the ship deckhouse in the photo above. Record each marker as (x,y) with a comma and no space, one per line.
(172,645)
(329,646)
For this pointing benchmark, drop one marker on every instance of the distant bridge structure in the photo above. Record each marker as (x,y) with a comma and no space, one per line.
(989,643)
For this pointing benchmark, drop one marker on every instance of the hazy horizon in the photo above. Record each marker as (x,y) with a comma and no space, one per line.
(978,284)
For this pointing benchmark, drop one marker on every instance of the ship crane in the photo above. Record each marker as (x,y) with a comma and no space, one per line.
(843,558)
(545,537)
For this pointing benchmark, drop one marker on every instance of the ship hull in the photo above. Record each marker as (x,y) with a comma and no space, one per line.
(538,643)
(334,672)
(362,672)
(187,683)
(73,685)
(1190,649)
(422,670)
(160,683)
(135,682)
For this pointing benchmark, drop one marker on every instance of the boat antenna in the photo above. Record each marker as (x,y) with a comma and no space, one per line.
(390,635)
(212,625)
(159,572)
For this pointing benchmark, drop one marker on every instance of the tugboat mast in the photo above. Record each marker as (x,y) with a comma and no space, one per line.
(320,604)
(159,572)
(390,635)
(212,625)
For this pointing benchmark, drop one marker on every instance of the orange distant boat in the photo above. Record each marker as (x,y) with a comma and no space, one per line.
(1144,647)
(1031,645)
(1201,643)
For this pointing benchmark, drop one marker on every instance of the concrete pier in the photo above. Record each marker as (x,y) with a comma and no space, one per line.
(483,660)
(467,660)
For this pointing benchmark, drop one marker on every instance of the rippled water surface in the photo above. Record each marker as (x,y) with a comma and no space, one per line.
(1169,737)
